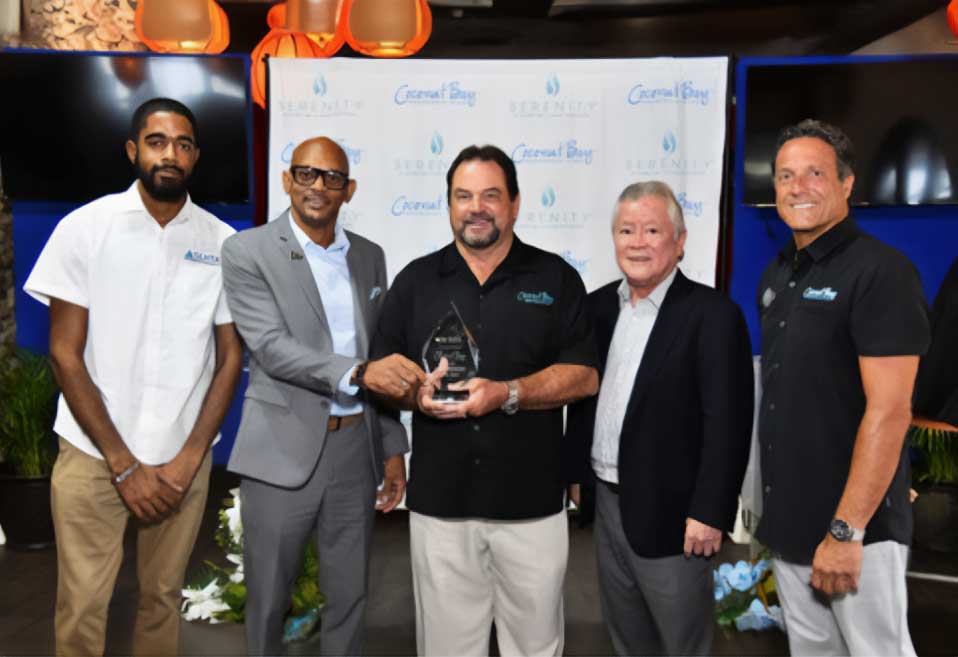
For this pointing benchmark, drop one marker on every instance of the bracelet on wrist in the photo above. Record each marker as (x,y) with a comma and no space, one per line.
(120,478)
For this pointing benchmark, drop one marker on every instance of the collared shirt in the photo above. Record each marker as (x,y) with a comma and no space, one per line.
(528,315)
(844,296)
(153,295)
(331,274)
(631,334)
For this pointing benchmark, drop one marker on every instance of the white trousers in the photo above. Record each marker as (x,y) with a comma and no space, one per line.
(469,573)
(871,621)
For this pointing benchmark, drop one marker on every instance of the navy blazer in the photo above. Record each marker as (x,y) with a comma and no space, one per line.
(687,429)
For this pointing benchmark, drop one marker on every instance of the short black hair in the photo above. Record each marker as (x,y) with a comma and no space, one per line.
(154,105)
(487,153)
(831,135)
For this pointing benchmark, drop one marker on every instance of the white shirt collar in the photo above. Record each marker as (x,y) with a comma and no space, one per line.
(340,239)
(656,297)
(131,201)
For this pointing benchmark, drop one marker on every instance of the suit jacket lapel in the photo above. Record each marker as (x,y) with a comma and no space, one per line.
(361,283)
(292,254)
(666,329)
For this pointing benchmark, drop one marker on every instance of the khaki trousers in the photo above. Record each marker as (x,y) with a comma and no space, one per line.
(471,573)
(90,518)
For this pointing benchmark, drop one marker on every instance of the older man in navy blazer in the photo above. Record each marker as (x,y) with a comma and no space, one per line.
(667,438)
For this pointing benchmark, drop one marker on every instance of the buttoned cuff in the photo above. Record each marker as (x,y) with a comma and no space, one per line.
(344,385)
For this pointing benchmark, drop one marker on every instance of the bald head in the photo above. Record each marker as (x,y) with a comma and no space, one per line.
(321,184)
(321,147)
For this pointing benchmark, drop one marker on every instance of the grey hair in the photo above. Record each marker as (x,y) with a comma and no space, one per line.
(635,191)
(831,135)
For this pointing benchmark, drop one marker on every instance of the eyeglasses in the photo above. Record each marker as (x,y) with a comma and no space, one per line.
(332,179)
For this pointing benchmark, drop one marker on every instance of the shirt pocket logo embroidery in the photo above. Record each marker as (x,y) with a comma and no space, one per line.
(820,294)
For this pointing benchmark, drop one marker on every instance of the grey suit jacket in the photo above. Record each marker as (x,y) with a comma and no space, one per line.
(278,311)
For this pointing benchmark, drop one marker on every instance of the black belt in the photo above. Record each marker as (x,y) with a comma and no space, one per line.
(608,484)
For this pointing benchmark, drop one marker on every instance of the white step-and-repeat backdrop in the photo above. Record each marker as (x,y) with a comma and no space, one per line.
(578,130)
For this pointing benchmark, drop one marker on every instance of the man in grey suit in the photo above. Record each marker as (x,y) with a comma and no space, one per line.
(305,295)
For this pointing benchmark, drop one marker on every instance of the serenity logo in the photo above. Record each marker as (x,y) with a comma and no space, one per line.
(319,86)
(424,166)
(446,93)
(552,85)
(548,198)
(669,142)
(682,92)
(568,151)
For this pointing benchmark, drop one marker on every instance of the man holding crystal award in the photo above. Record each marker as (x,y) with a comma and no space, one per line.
(502,329)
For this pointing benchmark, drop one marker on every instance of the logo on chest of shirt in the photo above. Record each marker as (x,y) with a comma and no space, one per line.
(821,294)
(202,258)
(538,298)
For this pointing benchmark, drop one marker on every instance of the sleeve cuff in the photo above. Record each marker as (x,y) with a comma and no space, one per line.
(344,385)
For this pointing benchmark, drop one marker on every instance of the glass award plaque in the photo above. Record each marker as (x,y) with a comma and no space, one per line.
(451,339)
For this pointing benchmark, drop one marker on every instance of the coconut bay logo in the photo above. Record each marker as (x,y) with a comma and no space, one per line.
(680,92)
(689,207)
(426,162)
(552,212)
(668,157)
(416,206)
(555,103)
(447,93)
(353,153)
(316,100)
(569,151)
(579,264)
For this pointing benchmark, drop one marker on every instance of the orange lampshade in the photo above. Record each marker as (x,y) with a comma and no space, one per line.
(952,15)
(386,28)
(278,43)
(317,19)
(182,26)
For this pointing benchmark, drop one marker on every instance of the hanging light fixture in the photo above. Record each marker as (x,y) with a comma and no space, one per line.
(298,28)
(952,15)
(386,28)
(198,26)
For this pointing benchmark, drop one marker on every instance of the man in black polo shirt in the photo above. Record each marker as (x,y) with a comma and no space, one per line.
(843,324)
(488,528)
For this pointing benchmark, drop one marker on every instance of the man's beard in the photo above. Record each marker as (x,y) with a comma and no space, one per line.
(480,242)
(165,191)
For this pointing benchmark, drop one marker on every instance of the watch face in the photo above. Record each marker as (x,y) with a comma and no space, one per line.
(840,530)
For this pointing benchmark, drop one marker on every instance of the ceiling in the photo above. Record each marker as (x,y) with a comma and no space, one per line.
(636,28)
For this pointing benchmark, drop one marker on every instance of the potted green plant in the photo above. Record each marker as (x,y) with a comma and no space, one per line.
(28,396)
(935,474)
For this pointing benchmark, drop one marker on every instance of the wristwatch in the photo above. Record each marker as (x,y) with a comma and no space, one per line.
(511,405)
(843,532)
(358,373)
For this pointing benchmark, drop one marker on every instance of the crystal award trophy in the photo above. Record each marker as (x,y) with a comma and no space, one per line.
(452,339)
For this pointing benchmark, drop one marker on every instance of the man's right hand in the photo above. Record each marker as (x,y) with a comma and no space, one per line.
(145,494)
(393,376)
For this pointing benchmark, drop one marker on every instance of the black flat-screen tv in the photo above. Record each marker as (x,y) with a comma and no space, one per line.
(65,117)
(899,113)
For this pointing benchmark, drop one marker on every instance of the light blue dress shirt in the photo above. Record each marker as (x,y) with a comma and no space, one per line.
(335,289)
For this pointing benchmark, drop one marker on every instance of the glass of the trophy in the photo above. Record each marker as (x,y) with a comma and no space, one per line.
(451,339)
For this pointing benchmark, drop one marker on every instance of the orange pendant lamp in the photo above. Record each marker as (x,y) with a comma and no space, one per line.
(319,17)
(186,26)
(952,14)
(387,28)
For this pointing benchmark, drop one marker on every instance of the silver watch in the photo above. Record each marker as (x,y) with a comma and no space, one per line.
(843,532)
(511,405)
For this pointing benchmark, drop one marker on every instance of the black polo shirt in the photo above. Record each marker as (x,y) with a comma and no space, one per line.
(846,295)
(530,314)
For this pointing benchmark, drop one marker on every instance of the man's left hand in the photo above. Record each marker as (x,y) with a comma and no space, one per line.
(394,484)
(485,396)
(837,566)
(178,474)
(700,539)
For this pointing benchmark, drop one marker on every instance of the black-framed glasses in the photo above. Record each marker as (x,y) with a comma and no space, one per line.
(306,176)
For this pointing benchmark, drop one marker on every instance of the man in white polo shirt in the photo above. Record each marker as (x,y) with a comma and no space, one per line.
(147,358)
